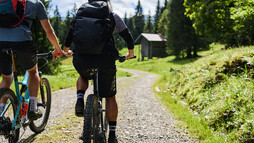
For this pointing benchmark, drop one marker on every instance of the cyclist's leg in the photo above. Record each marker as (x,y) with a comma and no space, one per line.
(82,84)
(6,81)
(111,108)
(107,88)
(5,70)
(27,56)
(7,76)
(33,81)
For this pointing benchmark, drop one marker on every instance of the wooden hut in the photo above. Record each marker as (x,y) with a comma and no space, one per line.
(152,45)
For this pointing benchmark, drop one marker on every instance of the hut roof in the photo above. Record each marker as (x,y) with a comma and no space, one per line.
(150,37)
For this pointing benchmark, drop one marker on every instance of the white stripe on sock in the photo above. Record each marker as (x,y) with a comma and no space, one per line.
(80,95)
(33,103)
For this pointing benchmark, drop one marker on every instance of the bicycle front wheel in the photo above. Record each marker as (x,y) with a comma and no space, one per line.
(91,122)
(44,104)
(8,97)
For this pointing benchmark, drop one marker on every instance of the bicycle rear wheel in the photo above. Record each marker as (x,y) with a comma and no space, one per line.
(91,121)
(44,104)
(8,96)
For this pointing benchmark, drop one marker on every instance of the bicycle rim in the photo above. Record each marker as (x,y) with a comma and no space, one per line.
(38,125)
(8,135)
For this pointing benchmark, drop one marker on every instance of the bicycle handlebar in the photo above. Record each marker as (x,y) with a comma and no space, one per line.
(45,55)
(123,58)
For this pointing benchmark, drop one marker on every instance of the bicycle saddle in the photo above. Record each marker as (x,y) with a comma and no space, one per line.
(8,50)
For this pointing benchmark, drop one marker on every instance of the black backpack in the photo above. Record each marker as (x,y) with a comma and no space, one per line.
(92,28)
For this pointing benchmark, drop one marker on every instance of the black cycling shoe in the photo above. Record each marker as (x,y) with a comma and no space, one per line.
(34,115)
(112,139)
(79,108)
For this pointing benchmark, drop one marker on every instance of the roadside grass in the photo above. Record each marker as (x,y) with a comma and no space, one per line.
(213,95)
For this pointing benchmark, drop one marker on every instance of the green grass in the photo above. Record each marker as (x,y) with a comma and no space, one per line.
(213,95)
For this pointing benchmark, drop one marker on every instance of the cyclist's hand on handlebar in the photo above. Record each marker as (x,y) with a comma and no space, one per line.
(57,53)
(67,52)
(130,55)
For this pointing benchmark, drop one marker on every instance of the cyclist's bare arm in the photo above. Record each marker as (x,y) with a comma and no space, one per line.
(52,38)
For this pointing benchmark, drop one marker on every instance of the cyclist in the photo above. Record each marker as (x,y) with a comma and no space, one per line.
(107,71)
(19,38)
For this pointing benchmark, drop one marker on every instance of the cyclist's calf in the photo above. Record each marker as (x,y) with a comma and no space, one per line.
(33,82)
(6,81)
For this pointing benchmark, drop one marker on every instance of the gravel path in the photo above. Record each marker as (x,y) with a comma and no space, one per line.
(142,118)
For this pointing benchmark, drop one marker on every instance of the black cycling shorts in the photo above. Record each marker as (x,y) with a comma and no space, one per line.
(25,53)
(106,79)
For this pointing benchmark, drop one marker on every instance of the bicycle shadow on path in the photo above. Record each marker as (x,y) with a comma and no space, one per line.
(29,139)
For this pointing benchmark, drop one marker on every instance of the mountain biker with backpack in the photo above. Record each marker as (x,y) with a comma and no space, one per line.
(16,17)
(92,34)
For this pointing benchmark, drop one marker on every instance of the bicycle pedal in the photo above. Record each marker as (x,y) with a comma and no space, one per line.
(27,122)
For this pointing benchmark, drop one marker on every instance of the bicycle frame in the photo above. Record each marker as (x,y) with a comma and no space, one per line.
(20,98)
(96,92)
(98,99)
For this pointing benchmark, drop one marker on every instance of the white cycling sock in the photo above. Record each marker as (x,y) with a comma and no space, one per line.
(2,106)
(33,103)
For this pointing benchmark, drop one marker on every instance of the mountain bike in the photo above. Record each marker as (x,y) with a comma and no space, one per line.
(14,115)
(95,121)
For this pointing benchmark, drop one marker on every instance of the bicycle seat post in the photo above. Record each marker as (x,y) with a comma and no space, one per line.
(11,53)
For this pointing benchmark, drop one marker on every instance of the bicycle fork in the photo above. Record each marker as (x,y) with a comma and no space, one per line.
(42,91)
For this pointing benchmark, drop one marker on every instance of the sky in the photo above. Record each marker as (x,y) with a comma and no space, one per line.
(119,6)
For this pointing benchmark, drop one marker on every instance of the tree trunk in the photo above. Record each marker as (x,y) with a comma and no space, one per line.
(189,53)
(195,51)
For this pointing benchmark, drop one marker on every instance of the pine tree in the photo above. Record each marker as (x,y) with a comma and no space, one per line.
(177,35)
(139,20)
(64,27)
(157,16)
(125,18)
(149,26)
(74,10)
(181,35)
(130,24)
(164,7)
(68,19)
(56,21)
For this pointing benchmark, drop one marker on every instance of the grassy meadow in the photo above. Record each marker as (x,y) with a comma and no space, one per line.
(213,95)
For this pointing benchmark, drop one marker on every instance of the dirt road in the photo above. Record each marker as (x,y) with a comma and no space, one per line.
(142,117)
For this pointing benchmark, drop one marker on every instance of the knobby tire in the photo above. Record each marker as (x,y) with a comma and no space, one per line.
(91,122)
(34,126)
(8,93)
